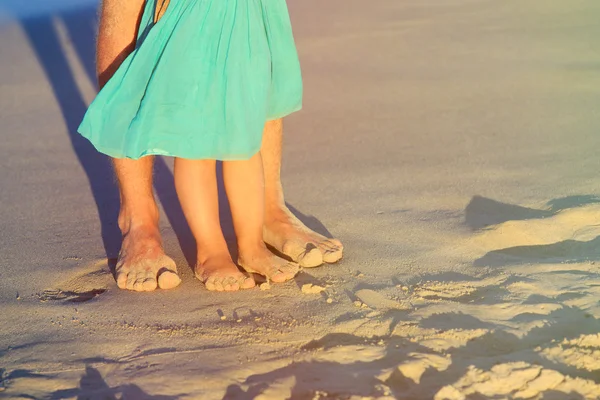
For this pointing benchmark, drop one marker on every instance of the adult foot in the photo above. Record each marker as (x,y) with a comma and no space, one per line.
(288,235)
(259,260)
(142,264)
(219,273)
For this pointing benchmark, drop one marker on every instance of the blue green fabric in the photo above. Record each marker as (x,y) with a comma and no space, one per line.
(201,82)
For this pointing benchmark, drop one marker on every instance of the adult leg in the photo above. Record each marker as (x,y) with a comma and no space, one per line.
(119,21)
(196,184)
(282,230)
(142,263)
(244,184)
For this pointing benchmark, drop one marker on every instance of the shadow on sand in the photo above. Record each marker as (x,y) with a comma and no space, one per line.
(44,39)
(482,212)
(320,373)
(92,386)
(331,379)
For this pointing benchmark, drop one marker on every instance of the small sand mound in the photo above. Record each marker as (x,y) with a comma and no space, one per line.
(309,288)
(581,353)
(581,223)
(518,380)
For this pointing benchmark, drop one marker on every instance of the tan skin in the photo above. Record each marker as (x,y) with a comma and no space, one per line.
(245,191)
(142,264)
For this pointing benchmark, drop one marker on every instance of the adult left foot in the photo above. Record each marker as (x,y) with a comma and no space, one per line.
(287,234)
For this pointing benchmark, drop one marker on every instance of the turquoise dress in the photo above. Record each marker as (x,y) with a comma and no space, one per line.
(201,82)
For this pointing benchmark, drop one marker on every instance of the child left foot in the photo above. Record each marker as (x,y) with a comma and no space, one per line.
(261,261)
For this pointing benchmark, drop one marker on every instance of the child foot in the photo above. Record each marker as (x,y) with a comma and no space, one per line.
(261,261)
(219,273)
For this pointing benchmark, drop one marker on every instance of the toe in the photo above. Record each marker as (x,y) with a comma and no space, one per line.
(331,255)
(311,258)
(246,282)
(336,243)
(122,279)
(332,244)
(131,277)
(332,250)
(219,285)
(168,280)
(138,284)
(278,277)
(230,284)
(326,244)
(149,283)
(210,284)
(285,273)
(231,287)
(301,251)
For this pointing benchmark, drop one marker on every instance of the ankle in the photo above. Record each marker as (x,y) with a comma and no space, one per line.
(203,257)
(274,197)
(146,219)
(277,215)
(251,250)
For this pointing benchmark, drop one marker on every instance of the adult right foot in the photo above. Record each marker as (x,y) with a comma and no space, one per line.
(142,264)
(284,232)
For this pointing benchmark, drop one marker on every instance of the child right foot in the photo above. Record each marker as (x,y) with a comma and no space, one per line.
(261,261)
(219,273)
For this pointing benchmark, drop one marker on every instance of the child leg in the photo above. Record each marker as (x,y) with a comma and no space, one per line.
(196,184)
(245,187)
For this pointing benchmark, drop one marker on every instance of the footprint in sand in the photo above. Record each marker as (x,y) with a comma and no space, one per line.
(91,281)
(376,300)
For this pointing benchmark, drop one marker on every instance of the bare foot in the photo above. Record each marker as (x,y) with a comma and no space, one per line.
(221,274)
(288,235)
(259,260)
(142,265)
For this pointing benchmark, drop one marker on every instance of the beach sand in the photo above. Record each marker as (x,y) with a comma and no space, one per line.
(453,147)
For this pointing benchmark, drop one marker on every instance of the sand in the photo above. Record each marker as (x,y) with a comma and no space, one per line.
(452,146)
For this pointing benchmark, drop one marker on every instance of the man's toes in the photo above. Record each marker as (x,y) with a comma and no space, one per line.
(332,250)
(307,255)
(140,279)
(149,284)
(168,279)
(131,279)
(331,244)
(246,282)
(310,258)
(122,279)
(336,243)
(331,254)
